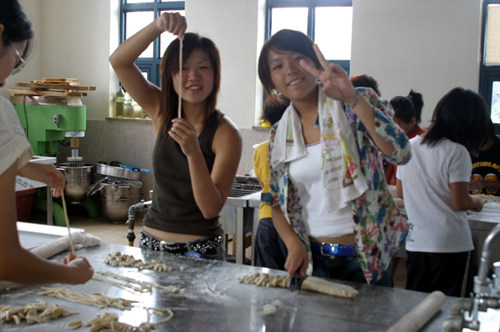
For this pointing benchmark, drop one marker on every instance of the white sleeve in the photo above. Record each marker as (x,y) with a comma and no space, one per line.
(460,166)
(14,147)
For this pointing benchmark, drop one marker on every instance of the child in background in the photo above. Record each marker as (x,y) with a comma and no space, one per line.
(270,251)
(407,114)
(434,186)
(16,263)
(486,166)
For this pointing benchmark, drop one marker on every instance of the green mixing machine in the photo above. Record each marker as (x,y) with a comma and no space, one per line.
(51,113)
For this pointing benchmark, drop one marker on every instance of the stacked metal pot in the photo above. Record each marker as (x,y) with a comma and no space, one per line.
(118,187)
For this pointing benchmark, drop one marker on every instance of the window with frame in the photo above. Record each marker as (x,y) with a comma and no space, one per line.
(489,77)
(135,15)
(327,22)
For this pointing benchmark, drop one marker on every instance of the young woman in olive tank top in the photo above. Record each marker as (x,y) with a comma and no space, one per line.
(197,154)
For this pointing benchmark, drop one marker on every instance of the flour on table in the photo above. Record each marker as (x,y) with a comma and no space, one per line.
(269,308)
(135,284)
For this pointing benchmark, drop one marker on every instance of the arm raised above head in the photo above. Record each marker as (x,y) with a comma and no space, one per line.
(146,94)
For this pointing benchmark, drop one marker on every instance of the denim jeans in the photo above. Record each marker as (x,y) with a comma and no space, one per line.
(345,268)
(270,251)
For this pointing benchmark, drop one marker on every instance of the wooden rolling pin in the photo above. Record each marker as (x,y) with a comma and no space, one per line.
(420,314)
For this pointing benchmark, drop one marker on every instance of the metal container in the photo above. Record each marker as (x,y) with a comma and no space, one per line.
(119,172)
(116,197)
(78,179)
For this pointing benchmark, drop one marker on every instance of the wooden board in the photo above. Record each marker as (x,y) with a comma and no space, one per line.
(58,80)
(52,87)
(64,85)
(48,93)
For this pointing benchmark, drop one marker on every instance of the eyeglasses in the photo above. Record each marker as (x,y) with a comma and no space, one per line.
(19,64)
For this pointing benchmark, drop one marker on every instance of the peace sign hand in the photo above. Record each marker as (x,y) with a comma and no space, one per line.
(334,80)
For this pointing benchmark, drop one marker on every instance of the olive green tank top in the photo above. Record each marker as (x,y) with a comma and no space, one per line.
(173,207)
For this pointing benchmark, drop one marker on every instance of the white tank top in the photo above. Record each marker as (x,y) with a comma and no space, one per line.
(305,174)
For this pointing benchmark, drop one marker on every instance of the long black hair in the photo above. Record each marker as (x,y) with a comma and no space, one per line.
(170,66)
(460,116)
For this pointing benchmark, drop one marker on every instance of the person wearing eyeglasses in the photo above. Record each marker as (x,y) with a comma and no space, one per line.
(16,263)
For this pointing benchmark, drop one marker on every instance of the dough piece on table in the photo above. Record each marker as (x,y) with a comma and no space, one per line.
(324,286)
(109,322)
(488,198)
(119,259)
(96,300)
(315,284)
(32,313)
(74,324)
(136,285)
(266,280)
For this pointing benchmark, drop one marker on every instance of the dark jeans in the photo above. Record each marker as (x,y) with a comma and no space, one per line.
(270,251)
(427,272)
(345,268)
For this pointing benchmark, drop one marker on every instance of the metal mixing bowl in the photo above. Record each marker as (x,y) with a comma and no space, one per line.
(78,179)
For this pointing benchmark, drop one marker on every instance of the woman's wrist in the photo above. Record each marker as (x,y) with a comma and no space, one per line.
(353,100)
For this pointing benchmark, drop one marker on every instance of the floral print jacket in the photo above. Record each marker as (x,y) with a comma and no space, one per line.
(380,227)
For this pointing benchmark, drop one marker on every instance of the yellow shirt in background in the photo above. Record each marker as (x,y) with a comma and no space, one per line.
(261,169)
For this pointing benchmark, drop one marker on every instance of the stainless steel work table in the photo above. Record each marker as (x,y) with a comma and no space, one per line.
(246,216)
(214,300)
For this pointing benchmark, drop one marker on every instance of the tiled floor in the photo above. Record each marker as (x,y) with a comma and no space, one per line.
(116,233)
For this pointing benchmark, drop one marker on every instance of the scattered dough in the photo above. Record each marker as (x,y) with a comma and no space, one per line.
(136,285)
(96,300)
(32,313)
(75,324)
(311,283)
(266,280)
(269,308)
(488,198)
(119,259)
(109,322)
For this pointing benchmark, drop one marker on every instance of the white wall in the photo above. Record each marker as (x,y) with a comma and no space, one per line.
(237,28)
(430,46)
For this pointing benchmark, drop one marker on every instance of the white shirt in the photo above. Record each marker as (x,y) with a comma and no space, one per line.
(14,145)
(305,174)
(435,226)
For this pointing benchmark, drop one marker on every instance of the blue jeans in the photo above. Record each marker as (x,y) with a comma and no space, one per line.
(345,268)
(270,251)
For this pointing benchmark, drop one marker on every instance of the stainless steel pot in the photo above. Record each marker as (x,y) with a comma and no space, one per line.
(116,198)
(119,172)
(78,179)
